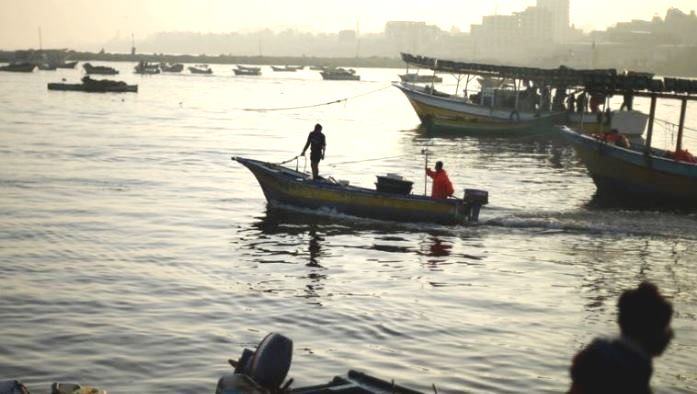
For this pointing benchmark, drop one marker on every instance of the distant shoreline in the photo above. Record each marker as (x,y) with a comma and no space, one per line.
(384,62)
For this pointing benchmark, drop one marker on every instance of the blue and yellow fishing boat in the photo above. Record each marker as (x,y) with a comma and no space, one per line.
(634,175)
(638,173)
(283,186)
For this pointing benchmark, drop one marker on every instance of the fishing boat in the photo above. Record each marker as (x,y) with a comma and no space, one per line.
(638,174)
(146,68)
(420,78)
(99,70)
(200,69)
(391,200)
(441,111)
(171,68)
(19,67)
(94,86)
(505,99)
(340,74)
(247,70)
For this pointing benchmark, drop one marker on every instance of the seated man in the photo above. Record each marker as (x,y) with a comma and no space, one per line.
(442,187)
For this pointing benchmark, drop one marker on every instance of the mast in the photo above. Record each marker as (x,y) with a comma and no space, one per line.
(652,117)
(41,44)
(681,126)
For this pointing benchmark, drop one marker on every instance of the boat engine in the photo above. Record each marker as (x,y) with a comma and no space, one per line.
(260,370)
(475,199)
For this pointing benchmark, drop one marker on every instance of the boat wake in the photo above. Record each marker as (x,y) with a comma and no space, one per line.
(635,223)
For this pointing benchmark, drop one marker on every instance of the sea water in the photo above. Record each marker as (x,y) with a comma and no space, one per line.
(137,257)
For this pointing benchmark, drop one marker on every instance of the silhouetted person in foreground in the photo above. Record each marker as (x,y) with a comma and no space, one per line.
(442,187)
(318,144)
(624,365)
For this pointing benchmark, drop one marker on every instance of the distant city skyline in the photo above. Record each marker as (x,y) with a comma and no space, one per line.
(87,24)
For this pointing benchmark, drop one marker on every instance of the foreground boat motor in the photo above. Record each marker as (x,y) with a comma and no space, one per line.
(13,387)
(475,199)
(267,367)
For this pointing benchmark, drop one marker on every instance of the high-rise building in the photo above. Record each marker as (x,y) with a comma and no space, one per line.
(560,10)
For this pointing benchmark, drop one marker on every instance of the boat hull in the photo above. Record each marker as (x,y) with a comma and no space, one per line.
(284,187)
(447,113)
(78,87)
(633,176)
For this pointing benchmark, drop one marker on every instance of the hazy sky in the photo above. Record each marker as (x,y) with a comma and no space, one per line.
(86,23)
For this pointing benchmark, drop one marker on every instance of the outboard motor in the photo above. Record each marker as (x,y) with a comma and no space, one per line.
(260,370)
(13,387)
(475,199)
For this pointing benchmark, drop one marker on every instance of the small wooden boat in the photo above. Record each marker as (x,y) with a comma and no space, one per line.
(19,67)
(287,68)
(340,74)
(99,70)
(171,68)
(247,70)
(284,187)
(200,69)
(416,78)
(94,86)
(67,64)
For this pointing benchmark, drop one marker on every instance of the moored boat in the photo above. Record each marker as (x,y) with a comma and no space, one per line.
(99,70)
(67,64)
(94,86)
(505,99)
(438,110)
(287,68)
(284,187)
(420,78)
(146,68)
(247,70)
(635,173)
(19,67)
(171,68)
(340,74)
(200,69)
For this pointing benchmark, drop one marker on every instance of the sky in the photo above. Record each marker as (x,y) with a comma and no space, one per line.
(85,24)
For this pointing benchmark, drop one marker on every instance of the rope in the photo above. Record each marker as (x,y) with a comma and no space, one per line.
(363,161)
(675,124)
(345,99)
(287,161)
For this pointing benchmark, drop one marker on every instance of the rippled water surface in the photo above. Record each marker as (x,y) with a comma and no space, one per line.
(135,255)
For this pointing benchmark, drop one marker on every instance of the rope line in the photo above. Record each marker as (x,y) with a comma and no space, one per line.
(367,160)
(315,105)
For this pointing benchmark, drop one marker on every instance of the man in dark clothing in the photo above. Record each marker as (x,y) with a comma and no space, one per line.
(624,365)
(318,144)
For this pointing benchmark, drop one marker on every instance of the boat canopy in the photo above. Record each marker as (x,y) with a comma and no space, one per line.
(608,81)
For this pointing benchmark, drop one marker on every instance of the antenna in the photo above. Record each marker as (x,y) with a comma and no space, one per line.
(41,44)
(358,37)
(133,45)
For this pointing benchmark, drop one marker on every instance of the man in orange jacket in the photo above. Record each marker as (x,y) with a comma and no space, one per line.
(442,187)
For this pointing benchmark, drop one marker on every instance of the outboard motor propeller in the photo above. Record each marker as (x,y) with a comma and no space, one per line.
(267,366)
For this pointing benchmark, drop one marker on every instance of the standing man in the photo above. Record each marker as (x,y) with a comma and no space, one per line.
(442,187)
(318,144)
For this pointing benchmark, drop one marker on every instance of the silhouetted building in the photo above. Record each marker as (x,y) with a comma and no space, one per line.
(561,19)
